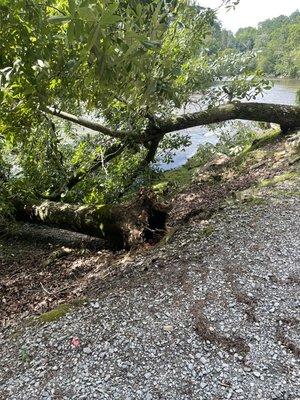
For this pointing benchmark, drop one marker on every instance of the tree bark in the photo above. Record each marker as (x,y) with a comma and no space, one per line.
(288,117)
(120,226)
(95,126)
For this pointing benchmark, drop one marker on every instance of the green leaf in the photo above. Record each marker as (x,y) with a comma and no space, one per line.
(71,32)
(72,7)
(93,36)
(151,44)
(109,19)
(88,14)
(59,19)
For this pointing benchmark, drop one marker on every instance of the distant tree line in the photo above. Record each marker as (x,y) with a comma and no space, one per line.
(276,43)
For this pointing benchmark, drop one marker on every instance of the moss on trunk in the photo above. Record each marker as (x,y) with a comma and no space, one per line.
(121,226)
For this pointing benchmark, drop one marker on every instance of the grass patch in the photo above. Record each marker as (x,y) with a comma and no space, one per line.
(255,201)
(267,137)
(172,181)
(253,149)
(55,314)
(61,310)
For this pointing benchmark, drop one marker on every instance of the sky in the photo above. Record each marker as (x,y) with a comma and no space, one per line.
(251,12)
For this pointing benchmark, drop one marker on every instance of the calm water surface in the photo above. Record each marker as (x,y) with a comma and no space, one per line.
(283,92)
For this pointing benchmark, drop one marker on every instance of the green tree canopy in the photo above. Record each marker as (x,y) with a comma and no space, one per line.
(125,65)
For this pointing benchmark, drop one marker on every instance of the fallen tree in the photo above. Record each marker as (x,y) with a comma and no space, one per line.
(120,226)
(287,116)
(124,225)
(135,78)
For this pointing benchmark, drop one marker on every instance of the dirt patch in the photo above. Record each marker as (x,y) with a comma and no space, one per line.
(35,276)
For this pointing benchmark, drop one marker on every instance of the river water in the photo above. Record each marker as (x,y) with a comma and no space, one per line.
(283,92)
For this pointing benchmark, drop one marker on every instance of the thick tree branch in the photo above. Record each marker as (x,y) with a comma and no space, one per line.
(95,126)
(288,117)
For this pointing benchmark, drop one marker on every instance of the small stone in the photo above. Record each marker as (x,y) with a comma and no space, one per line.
(168,328)
(87,350)
(256,373)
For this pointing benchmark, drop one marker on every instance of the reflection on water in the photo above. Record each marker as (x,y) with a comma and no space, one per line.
(283,92)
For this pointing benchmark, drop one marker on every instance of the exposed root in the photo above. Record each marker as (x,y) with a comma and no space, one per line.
(243,298)
(281,334)
(207,332)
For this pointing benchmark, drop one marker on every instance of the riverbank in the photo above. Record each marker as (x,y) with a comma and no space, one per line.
(284,91)
(71,262)
(215,304)
(172,181)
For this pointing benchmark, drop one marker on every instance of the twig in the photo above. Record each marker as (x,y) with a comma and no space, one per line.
(45,290)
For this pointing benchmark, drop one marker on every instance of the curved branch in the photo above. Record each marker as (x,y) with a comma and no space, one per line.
(95,126)
(288,117)
(150,155)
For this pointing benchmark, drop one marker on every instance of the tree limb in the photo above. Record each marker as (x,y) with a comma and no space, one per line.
(288,117)
(95,126)
(152,149)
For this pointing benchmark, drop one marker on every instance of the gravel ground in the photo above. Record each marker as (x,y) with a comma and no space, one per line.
(214,314)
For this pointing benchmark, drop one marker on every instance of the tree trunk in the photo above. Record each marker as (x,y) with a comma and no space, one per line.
(121,226)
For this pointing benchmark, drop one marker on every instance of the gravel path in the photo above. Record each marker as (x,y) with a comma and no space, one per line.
(214,314)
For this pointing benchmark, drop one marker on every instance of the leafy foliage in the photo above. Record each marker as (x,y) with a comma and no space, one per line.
(125,63)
